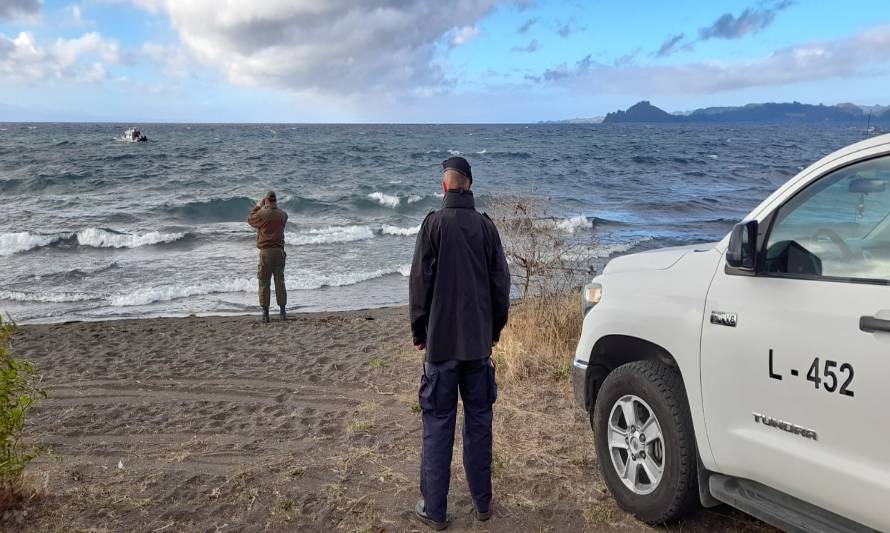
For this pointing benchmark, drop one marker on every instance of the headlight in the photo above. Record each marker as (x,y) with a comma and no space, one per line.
(590,296)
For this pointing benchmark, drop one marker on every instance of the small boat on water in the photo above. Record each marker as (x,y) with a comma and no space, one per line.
(133,135)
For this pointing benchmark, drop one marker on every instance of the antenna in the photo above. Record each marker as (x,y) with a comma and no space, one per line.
(868,129)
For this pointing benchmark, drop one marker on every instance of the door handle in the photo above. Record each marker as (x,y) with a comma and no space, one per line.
(872,324)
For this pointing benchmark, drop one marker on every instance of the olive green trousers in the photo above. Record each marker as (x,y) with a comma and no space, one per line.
(272,266)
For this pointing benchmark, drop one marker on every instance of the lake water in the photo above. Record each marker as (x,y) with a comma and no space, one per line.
(94,227)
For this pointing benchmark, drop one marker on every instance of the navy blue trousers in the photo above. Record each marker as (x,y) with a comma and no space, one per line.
(439,386)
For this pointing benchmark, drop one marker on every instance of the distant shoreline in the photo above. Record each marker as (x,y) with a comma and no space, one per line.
(643,112)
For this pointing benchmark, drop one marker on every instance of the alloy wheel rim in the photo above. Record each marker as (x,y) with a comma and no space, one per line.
(636,444)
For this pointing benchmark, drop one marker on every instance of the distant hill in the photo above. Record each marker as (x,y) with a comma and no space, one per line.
(795,112)
(642,112)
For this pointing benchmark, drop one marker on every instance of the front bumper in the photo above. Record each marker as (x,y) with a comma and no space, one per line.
(579,382)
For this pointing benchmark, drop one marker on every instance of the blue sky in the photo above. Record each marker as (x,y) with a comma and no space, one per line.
(429,60)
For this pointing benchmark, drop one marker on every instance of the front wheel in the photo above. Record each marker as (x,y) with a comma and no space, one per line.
(645,441)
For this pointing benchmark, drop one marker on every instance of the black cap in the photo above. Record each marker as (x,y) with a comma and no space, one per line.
(271,196)
(460,165)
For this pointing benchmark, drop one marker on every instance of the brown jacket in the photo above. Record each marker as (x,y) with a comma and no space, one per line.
(269,222)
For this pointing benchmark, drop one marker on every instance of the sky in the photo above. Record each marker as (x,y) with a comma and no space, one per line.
(430,61)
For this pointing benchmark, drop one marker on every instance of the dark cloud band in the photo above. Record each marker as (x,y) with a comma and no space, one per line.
(15,8)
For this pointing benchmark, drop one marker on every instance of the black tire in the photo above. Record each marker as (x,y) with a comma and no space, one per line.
(661,387)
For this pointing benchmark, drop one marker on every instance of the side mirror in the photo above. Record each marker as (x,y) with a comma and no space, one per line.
(742,252)
(867,185)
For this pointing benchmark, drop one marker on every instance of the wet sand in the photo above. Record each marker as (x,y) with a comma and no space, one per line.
(225,424)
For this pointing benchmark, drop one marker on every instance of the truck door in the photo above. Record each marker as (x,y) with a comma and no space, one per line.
(795,361)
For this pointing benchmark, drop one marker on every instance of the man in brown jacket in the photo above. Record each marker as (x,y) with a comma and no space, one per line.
(269,222)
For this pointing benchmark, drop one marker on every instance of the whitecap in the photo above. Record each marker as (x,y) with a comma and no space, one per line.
(47,297)
(569,225)
(454,152)
(148,295)
(100,238)
(329,235)
(316,280)
(12,243)
(300,280)
(386,200)
(386,229)
(482,151)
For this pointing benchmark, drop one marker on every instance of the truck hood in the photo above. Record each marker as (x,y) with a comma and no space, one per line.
(660,259)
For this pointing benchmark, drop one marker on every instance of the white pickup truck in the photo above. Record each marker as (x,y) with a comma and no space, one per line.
(754,371)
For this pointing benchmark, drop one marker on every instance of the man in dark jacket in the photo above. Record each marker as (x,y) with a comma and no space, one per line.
(269,222)
(459,299)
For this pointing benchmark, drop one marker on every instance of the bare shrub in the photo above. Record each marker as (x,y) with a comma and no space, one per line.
(546,257)
(548,265)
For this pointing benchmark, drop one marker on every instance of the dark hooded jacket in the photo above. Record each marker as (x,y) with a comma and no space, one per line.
(459,290)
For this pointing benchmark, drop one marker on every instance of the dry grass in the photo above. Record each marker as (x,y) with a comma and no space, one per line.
(539,339)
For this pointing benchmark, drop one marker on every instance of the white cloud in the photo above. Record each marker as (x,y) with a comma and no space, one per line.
(334,47)
(83,58)
(68,51)
(859,55)
(464,34)
(74,13)
(173,60)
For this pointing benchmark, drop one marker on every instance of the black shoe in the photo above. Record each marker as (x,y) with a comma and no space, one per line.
(427,519)
(265,317)
(480,516)
(283,313)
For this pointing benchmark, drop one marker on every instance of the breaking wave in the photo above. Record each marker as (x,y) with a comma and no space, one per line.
(317,280)
(305,280)
(342,234)
(100,238)
(396,230)
(47,297)
(166,293)
(570,225)
(12,243)
(329,235)
(393,201)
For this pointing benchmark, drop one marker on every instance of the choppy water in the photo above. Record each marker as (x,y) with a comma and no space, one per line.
(94,227)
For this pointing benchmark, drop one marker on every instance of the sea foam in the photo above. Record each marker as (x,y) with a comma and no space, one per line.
(301,280)
(386,200)
(329,235)
(100,238)
(165,293)
(47,297)
(12,243)
(393,201)
(386,229)
(570,225)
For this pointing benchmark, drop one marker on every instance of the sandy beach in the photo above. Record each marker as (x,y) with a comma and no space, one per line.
(225,424)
